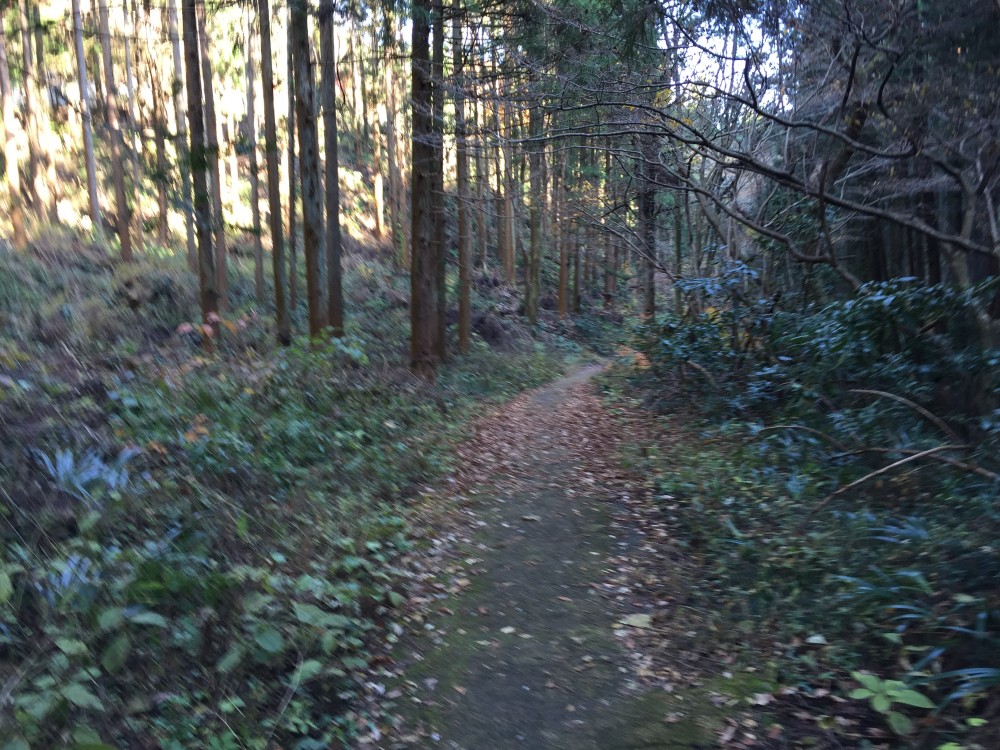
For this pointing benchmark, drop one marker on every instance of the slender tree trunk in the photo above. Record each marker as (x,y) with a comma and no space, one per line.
(395,208)
(180,115)
(117,167)
(647,239)
(482,184)
(258,242)
(159,137)
(212,134)
(423,283)
(377,178)
(88,133)
(271,156)
(199,170)
(328,56)
(36,181)
(561,220)
(577,272)
(532,280)
(10,130)
(293,278)
(509,221)
(440,249)
(312,199)
(133,130)
(462,177)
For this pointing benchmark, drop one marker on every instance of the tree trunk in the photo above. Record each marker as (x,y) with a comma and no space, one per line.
(133,129)
(258,243)
(423,283)
(293,281)
(437,192)
(117,168)
(328,57)
(647,240)
(482,184)
(312,200)
(395,208)
(159,128)
(10,130)
(88,133)
(532,279)
(212,135)
(180,115)
(273,178)
(199,170)
(462,187)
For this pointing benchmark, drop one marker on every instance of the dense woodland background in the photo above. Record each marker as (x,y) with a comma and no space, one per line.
(261,261)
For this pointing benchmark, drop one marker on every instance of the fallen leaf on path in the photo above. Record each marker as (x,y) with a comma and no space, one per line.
(638,621)
(507,630)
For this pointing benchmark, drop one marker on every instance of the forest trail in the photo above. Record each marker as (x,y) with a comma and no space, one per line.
(523,653)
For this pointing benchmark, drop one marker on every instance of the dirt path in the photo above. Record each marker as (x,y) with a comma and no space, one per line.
(523,653)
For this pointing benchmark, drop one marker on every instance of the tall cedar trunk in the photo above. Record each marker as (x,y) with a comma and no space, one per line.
(271,157)
(199,170)
(482,183)
(462,187)
(378,178)
(10,130)
(609,248)
(258,242)
(133,128)
(212,136)
(509,226)
(117,168)
(560,218)
(35,183)
(577,275)
(180,115)
(423,283)
(312,199)
(532,279)
(647,238)
(159,137)
(356,104)
(88,132)
(395,209)
(440,249)
(328,58)
(293,278)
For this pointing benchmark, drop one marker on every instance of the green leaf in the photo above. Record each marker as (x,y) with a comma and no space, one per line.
(899,723)
(87,739)
(71,646)
(231,659)
(976,721)
(870,681)
(308,614)
(861,693)
(16,743)
(396,599)
(269,640)
(114,655)
(912,698)
(149,618)
(307,670)
(6,587)
(110,618)
(36,705)
(81,697)
(881,702)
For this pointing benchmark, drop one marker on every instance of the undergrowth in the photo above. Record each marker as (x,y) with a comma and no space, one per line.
(200,550)
(835,474)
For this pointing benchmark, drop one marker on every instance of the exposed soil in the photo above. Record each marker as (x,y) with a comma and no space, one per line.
(521,646)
